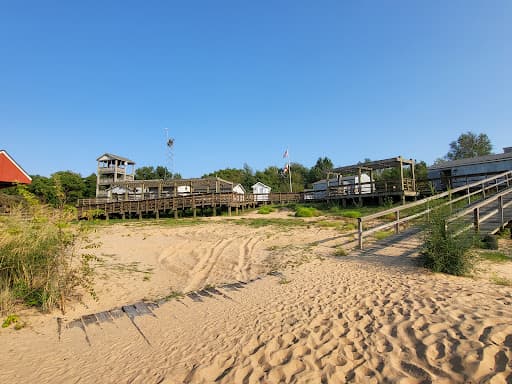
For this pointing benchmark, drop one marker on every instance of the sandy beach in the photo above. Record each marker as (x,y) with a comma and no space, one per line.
(238,302)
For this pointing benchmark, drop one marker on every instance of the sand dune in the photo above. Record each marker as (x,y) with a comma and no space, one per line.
(371,317)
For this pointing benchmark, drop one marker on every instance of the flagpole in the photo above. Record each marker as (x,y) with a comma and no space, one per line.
(290,172)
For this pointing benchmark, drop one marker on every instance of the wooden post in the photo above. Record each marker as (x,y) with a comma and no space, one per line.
(413,166)
(175,213)
(229,210)
(236,210)
(359,182)
(402,173)
(360,232)
(157,214)
(397,224)
(372,184)
(501,213)
(476,219)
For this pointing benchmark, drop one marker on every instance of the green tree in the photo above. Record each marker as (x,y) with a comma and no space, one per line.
(249,179)
(44,188)
(89,186)
(152,173)
(469,145)
(420,170)
(300,175)
(319,170)
(273,177)
(234,175)
(69,186)
(243,176)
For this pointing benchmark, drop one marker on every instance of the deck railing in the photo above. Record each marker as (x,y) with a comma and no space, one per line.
(468,194)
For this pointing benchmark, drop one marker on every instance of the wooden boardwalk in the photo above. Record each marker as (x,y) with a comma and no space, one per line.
(214,203)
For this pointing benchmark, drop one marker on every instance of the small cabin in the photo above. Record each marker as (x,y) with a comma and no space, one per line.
(261,191)
(456,173)
(239,192)
(239,189)
(11,172)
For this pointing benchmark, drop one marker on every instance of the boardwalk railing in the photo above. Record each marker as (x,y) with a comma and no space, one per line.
(156,205)
(491,214)
(467,196)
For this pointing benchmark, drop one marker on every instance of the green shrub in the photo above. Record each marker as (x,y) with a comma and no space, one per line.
(490,242)
(444,251)
(306,212)
(265,210)
(351,214)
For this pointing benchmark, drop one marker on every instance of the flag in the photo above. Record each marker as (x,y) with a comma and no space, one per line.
(285,153)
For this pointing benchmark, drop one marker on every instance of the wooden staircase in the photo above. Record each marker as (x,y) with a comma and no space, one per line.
(485,206)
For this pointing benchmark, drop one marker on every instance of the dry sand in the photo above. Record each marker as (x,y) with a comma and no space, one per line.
(367,317)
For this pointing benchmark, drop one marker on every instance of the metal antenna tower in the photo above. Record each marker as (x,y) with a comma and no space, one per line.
(169,144)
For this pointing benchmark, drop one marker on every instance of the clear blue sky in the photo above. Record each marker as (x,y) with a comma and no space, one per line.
(240,81)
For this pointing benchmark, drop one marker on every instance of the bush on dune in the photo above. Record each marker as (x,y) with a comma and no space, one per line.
(38,262)
(443,249)
(306,212)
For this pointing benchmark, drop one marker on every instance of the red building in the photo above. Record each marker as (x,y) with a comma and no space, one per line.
(10,172)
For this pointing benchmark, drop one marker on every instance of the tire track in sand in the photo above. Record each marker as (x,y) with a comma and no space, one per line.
(206,264)
(245,256)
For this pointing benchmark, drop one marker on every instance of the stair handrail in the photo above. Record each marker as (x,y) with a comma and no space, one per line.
(506,176)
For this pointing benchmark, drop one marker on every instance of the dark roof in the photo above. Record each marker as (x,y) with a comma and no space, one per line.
(472,160)
(371,165)
(115,157)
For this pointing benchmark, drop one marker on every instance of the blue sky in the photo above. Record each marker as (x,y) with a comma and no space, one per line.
(240,81)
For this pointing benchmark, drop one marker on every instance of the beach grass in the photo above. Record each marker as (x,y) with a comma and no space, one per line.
(494,256)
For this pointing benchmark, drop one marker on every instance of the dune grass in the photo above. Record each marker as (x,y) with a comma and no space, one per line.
(494,256)
(38,263)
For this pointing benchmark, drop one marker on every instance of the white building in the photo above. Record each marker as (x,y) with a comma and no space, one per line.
(239,191)
(261,191)
(347,185)
(456,173)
